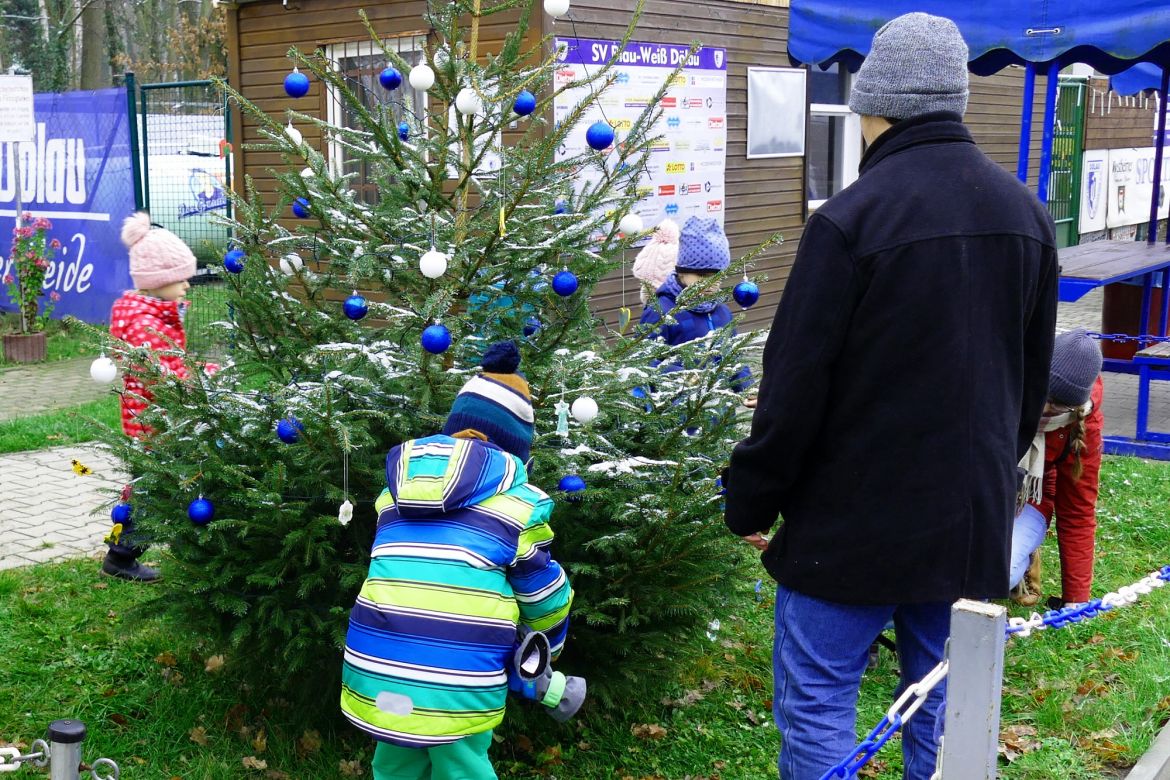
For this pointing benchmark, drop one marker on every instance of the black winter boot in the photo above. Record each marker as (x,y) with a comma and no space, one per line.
(128,569)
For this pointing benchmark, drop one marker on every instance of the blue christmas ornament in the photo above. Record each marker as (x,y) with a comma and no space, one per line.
(200,511)
(355,306)
(571,484)
(746,293)
(599,135)
(531,327)
(525,103)
(234,260)
(565,283)
(289,430)
(390,78)
(403,131)
(560,207)
(436,339)
(120,513)
(296,84)
(300,207)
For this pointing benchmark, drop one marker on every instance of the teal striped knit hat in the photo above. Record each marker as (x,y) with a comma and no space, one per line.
(495,405)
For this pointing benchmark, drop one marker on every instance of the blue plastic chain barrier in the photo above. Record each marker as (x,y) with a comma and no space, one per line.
(886,728)
(881,734)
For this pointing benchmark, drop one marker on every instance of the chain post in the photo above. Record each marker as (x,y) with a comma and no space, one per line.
(974,688)
(65,740)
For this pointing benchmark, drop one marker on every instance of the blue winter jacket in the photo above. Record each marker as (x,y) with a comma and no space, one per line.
(690,325)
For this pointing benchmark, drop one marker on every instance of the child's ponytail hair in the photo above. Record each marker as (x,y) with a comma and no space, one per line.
(1076,439)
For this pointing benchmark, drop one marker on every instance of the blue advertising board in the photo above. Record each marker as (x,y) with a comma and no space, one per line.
(77,174)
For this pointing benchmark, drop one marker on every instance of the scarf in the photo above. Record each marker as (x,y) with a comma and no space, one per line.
(672,288)
(1032,463)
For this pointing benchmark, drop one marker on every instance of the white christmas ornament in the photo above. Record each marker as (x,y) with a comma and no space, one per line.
(103,370)
(584,410)
(556,8)
(307,173)
(468,102)
(290,264)
(293,134)
(631,224)
(345,512)
(433,264)
(421,77)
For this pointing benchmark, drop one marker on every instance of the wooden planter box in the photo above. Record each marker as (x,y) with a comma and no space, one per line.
(24,347)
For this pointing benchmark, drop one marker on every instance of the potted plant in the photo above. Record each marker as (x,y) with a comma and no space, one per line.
(24,275)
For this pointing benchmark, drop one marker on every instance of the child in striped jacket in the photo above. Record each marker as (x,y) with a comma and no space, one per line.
(460,560)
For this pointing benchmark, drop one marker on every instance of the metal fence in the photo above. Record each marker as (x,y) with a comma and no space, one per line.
(180,130)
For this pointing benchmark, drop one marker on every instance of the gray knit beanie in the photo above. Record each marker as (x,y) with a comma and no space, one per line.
(917,64)
(1076,362)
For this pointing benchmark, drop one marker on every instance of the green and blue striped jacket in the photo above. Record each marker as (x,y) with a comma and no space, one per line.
(460,558)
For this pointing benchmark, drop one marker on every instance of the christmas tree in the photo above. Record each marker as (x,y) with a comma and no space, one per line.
(479,233)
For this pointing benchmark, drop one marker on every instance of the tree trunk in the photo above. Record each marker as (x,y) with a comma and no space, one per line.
(95,64)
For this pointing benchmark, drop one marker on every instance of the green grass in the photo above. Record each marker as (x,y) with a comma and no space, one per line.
(71,425)
(1096,693)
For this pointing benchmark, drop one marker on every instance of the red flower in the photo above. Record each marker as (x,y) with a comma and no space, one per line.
(54,296)
(9,279)
(41,262)
(55,244)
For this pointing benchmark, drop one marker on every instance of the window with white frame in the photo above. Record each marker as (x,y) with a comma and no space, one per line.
(361,62)
(833,151)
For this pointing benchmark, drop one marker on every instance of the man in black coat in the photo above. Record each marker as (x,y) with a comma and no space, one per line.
(903,379)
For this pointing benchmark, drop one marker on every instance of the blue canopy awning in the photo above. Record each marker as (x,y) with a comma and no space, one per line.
(1139,78)
(1109,35)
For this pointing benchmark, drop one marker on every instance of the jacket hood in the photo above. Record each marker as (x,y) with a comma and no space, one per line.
(433,476)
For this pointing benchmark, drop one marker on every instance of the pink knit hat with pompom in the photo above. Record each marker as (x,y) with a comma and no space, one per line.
(157,256)
(655,263)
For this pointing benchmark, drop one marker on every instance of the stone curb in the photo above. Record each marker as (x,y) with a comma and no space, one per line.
(1155,764)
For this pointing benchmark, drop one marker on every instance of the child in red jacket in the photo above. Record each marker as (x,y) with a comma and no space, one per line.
(151,316)
(1062,470)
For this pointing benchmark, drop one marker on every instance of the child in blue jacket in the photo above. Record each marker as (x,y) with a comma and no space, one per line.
(703,251)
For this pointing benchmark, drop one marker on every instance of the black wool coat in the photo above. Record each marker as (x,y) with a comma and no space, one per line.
(903,379)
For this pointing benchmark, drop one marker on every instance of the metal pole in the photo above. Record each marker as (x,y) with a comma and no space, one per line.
(65,738)
(1026,122)
(1049,124)
(135,156)
(974,688)
(1152,238)
(24,326)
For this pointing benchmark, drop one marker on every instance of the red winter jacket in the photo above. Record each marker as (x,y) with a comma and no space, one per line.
(141,320)
(1073,502)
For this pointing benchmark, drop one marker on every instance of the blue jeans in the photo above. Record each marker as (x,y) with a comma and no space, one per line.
(1027,535)
(818,659)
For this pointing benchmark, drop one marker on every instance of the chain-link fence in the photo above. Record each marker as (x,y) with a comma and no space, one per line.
(186,167)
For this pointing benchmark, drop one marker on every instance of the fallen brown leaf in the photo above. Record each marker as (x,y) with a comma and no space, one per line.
(276,774)
(214,664)
(309,742)
(119,718)
(874,768)
(101,586)
(260,741)
(1096,639)
(686,700)
(351,768)
(523,743)
(1015,741)
(251,762)
(648,731)
(550,755)
(583,745)
(198,735)
(1116,653)
(166,659)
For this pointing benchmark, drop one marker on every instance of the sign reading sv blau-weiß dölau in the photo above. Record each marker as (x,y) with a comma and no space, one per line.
(76,172)
(686,172)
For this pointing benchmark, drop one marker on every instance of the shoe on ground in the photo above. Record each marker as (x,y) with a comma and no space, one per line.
(1027,591)
(134,571)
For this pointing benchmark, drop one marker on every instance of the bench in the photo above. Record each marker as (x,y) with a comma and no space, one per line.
(1152,363)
